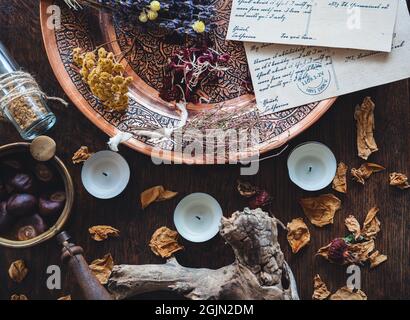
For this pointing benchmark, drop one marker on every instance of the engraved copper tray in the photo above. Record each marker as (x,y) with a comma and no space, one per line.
(89,28)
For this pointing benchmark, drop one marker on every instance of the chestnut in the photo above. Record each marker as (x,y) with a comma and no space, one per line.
(21,204)
(43,172)
(31,227)
(21,182)
(52,204)
(6,219)
(26,233)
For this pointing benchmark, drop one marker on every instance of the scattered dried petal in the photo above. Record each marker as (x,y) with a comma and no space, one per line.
(321,210)
(340,182)
(365,171)
(347,294)
(18,297)
(81,155)
(102,268)
(65,298)
(261,199)
(298,234)
(100,233)
(361,250)
(399,180)
(320,289)
(18,271)
(353,226)
(155,194)
(364,116)
(371,225)
(164,242)
(246,189)
(376,258)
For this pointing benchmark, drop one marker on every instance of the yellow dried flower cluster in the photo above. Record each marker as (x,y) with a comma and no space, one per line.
(105,77)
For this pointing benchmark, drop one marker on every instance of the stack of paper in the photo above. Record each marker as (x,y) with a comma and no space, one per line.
(302,51)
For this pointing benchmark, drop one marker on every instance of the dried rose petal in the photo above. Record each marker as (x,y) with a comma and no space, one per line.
(371,225)
(364,116)
(18,297)
(155,194)
(100,233)
(246,189)
(353,226)
(102,268)
(18,271)
(321,210)
(164,242)
(81,155)
(376,258)
(399,180)
(347,294)
(361,251)
(340,182)
(365,171)
(261,199)
(320,289)
(298,234)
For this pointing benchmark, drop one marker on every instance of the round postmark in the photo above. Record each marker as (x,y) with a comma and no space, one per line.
(313,78)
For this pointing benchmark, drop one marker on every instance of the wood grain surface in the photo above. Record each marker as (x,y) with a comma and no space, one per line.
(20,32)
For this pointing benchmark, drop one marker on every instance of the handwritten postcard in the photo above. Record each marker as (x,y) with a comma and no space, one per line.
(285,77)
(358,24)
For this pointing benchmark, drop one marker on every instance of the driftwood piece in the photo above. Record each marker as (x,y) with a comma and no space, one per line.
(259,271)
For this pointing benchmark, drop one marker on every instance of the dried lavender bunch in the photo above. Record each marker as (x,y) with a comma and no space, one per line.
(190,17)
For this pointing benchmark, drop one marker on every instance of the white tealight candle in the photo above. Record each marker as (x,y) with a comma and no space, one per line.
(198,217)
(312,166)
(105,175)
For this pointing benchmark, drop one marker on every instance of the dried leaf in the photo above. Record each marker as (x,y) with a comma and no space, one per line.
(320,289)
(166,195)
(65,298)
(364,116)
(347,294)
(399,180)
(246,189)
(155,194)
(353,226)
(164,242)
(339,181)
(298,234)
(81,155)
(100,233)
(18,297)
(365,171)
(102,268)
(18,271)
(361,250)
(376,258)
(321,210)
(371,225)
(324,251)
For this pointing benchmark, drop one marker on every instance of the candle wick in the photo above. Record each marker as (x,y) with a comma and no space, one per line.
(199,218)
(105,174)
(310,169)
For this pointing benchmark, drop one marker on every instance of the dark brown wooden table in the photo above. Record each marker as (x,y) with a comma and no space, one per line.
(20,32)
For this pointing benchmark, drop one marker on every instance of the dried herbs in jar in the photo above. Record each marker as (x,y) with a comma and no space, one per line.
(21,100)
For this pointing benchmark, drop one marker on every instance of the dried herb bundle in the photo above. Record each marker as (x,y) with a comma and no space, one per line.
(191,17)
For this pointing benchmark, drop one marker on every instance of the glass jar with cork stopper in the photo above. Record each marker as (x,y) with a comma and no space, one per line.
(21,100)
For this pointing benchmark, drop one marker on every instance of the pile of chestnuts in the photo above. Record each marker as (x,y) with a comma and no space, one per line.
(31,197)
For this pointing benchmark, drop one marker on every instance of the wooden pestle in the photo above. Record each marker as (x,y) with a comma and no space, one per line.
(72,255)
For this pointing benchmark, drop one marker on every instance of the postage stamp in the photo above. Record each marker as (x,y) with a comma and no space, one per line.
(313,78)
